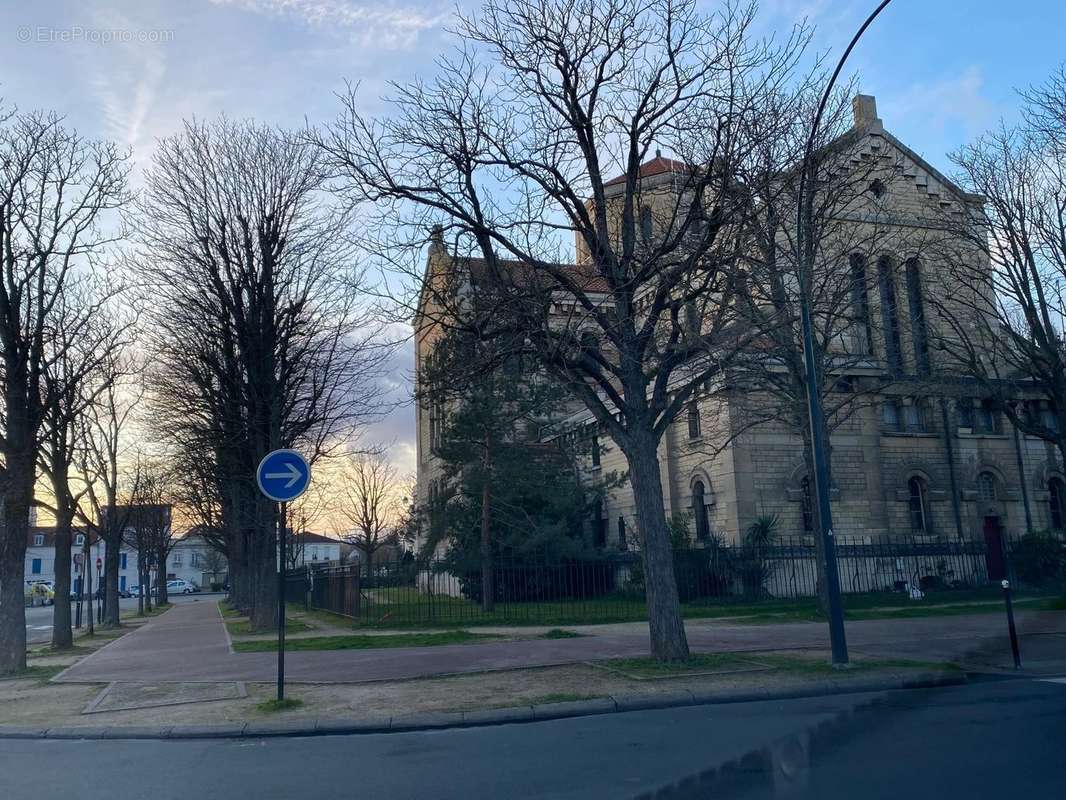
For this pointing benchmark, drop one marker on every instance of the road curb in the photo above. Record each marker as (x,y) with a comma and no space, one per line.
(485,717)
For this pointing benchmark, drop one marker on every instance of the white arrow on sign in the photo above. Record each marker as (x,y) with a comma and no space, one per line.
(291,473)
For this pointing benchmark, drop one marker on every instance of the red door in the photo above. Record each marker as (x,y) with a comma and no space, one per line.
(994,550)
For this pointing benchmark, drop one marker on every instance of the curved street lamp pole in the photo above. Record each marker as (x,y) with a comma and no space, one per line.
(816,414)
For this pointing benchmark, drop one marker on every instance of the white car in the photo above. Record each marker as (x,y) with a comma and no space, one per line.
(181,586)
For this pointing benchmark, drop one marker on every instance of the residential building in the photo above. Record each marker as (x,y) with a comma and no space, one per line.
(40,558)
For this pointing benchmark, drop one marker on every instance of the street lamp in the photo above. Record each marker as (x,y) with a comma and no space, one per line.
(815,412)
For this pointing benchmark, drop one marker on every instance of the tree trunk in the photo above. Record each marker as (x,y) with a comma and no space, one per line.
(111,562)
(62,633)
(14,528)
(668,640)
(141,580)
(488,591)
(264,612)
(146,588)
(161,577)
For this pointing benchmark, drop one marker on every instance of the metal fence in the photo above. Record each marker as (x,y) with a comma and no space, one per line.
(408,592)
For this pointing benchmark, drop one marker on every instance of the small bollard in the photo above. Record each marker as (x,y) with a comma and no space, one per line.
(1010,625)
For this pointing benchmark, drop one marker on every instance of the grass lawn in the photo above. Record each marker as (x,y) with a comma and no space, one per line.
(271,706)
(779,662)
(406,607)
(365,642)
(241,627)
(228,611)
(42,673)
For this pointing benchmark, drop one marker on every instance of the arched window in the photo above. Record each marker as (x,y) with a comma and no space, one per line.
(622,544)
(599,524)
(694,420)
(646,225)
(916,307)
(807,505)
(699,511)
(986,487)
(918,505)
(860,306)
(1056,490)
(886,281)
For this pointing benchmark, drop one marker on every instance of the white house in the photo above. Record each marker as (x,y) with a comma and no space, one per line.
(41,556)
(312,548)
(194,560)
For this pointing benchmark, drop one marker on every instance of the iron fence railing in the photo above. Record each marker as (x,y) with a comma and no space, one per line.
(408,592)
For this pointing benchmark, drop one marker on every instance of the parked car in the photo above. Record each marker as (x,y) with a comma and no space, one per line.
(181,586)
(40,593)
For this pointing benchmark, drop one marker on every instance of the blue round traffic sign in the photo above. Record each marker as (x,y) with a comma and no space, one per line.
(283,475)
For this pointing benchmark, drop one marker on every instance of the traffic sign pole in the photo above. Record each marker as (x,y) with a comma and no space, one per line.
(281,604)
(282,476)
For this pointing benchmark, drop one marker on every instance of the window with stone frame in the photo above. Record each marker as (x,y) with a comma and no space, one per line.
(599,524)
(1048,417)
(918,505)
(916,416)
(916,309)
(886,281)
(987,417)
(964,413)
(699,511)
(1056,492)
(986,487)
(892,414)
(694,431)
(862,331)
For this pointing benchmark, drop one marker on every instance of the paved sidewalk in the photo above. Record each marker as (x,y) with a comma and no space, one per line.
(189,643)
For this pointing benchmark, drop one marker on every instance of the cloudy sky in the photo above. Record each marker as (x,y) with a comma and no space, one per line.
(942,70)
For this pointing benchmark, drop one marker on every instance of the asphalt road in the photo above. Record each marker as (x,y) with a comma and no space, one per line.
(986,740)
(39,618)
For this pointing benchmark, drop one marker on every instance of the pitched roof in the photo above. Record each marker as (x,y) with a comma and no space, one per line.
(585,276)
(315,538)
(49,534)
(651,168)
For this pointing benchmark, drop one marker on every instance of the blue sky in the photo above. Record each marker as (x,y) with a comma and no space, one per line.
(942,71)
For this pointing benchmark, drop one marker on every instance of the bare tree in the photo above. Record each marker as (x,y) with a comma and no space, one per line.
(513,148)
(266,341)
(148,527)
(369,500)
(1005,321)
(109,475)
(85,341)
(56,189)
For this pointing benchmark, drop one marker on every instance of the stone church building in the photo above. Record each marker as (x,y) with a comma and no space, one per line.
(909,461)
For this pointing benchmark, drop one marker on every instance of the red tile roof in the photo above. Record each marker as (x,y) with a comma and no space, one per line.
(656,166)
